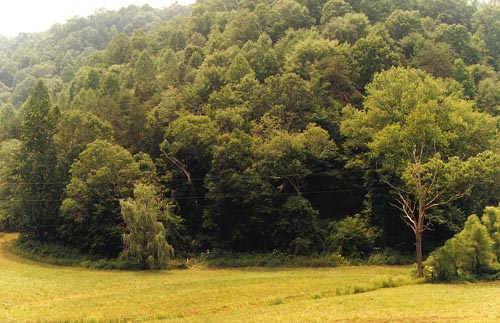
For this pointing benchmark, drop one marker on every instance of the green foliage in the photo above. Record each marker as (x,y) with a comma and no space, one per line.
(9,186)
(488,96)
(468,254)
(491,220)
(144,77)
(352,237)
(119,50)
(448,11)
(271,259)
(434,58)
(241,106)
(416,145)
(402,23)
(348,28)
(334,8)
(487,24)
(297,229)
(76,129)
(37,168)
(372,55)
(10,123)
(145,237)
(463,75)
(102,174)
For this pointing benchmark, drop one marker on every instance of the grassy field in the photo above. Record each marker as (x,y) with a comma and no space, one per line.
(31,292)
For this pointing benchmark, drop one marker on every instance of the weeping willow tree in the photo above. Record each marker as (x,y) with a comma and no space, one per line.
(145,242)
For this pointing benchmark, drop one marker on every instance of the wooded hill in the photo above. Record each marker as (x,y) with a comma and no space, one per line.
(303,126)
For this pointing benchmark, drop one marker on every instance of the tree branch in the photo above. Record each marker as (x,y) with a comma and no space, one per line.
(179,165)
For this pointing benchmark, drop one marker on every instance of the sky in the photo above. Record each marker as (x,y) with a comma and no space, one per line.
(38,15)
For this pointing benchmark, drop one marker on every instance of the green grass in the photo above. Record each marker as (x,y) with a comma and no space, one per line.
(34,292)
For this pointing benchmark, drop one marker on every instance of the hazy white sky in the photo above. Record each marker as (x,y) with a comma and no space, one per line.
(38,15)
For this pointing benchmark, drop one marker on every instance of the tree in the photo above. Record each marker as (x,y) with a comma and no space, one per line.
(334,8)
(463,44)
(288,14)
(37,168)
(262,57)
(411,133)
(76,129)
(303,56)
(238,68)
(10,123)
(401,23)
(486,22)
(9,185)
(144,77)
(488,96)
(243,27)
(448,11)
(119,50)
(372,55)
(426,186)
(288,158)
(237,216)
(462,75)
(187,150)
(103,174)
(491,220)
(434,58)
(348,28)
(145,239)
(292,100)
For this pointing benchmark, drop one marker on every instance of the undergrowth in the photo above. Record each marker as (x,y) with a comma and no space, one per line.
(65,256)
(58,255)
(280,259)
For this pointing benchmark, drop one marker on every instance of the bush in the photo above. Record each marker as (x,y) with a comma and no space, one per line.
(300,247)
(274,259)
(390,257)
(58,255)
(469,254)
(491,220)
(297,229)
(352,237)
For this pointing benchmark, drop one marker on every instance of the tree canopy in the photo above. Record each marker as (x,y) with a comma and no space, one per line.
(265,125)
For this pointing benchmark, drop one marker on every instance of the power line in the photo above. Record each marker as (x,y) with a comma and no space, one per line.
(277,176)
(211,197)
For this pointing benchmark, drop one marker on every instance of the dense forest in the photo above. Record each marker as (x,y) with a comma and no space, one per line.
(306,127)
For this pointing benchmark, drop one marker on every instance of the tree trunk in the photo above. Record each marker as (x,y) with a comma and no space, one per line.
(418,245)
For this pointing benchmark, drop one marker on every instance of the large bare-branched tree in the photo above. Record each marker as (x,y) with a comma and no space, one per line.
(426,185)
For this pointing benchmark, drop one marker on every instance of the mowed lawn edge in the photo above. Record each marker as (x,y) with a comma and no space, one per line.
(33,292)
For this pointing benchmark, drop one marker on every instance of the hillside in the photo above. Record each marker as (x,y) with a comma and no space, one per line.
(258,125)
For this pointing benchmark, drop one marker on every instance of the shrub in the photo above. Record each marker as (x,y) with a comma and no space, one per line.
(352,237)
(491,220)
(469,254)
(390,257)
(300,246)
(297,229)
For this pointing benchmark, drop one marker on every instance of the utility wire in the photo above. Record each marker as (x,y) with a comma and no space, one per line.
(220,196)
(331,172)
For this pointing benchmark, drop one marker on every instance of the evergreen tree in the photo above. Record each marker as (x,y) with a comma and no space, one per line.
(37,168)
